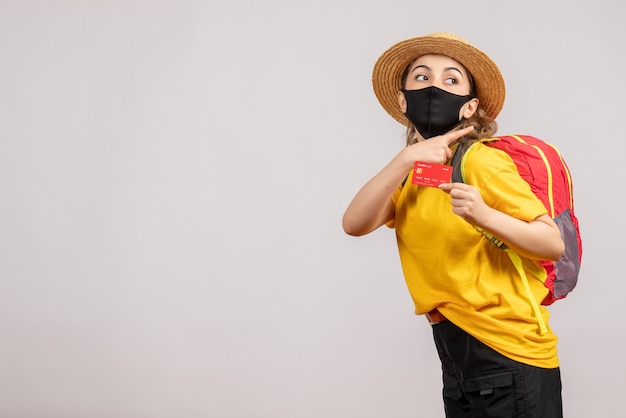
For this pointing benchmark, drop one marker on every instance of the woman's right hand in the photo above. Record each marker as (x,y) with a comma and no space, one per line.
(436,149)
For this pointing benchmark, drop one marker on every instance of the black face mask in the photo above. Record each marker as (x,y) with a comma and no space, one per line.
(434,111)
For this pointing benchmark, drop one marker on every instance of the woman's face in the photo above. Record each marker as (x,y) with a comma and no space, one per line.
(439,71)
(442,72)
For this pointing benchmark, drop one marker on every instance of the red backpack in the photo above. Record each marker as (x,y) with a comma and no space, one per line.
(542,167)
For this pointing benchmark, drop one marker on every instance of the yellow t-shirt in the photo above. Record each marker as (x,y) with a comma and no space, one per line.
(451,266)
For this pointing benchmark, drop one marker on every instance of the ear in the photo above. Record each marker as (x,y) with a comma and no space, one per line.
(469,108)
(402,101)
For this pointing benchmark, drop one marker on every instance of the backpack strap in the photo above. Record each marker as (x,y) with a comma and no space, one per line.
(458,176)
(519,266)
(458,158)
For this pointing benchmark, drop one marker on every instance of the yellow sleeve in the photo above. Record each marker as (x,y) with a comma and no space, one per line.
(394,200)
(494,173)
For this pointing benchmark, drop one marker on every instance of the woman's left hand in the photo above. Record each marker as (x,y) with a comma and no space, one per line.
(467,202)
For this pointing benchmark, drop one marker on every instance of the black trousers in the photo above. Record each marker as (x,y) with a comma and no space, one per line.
(480,382)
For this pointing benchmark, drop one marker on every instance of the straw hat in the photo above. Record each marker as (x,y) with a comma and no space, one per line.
(392,63)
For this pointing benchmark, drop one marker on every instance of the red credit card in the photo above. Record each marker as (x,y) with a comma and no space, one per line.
(429,174)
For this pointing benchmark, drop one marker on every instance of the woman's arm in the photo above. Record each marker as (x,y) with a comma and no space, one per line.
(372,205)
(538,239)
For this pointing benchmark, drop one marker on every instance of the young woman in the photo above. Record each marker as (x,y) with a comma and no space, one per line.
(495,361)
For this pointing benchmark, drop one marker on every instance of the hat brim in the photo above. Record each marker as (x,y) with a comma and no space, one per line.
(388,70)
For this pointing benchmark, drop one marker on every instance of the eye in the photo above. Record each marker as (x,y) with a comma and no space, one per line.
(451,80)
(421,77)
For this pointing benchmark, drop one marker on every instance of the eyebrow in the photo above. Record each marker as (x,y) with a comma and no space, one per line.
(445,69)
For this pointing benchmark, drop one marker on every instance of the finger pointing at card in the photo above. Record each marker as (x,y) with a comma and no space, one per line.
(436,149)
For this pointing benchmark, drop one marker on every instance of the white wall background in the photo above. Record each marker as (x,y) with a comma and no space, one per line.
(172,180)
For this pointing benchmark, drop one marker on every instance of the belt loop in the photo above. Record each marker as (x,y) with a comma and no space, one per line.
(435,317)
